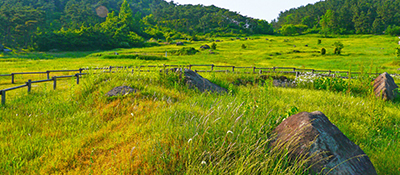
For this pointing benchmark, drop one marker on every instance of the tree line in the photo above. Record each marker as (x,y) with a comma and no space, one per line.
(76,25)
(342,17)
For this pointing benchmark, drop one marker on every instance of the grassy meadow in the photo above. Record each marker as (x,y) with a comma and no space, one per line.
(167,128)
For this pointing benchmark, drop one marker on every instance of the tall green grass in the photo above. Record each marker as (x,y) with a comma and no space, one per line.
(167,128)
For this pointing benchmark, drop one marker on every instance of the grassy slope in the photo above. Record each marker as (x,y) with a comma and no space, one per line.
(78,129)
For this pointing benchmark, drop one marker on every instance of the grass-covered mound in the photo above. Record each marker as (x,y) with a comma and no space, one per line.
(166,128)
(137,57)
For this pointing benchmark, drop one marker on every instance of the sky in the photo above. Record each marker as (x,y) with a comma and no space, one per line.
(260,9)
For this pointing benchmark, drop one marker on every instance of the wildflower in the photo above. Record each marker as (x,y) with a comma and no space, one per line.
(229,132)
(203,162)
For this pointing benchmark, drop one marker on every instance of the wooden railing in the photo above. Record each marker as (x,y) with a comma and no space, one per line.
(212,68)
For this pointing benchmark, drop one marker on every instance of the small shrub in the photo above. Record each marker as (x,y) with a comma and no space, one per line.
(323,51)
(214,46)
(244,46)
(338,47)
(319,41)
(185,51)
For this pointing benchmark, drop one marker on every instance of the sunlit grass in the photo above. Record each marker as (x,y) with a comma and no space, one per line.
(166,128)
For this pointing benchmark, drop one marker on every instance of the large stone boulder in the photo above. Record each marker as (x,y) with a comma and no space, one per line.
(328,149)
(196,81)
(120,90)
(384,87)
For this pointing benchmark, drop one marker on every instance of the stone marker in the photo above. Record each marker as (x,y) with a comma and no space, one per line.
(384,87)
(332,152)
(120,90)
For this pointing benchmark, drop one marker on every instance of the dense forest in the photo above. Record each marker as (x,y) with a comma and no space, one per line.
(342,17)
(106,24)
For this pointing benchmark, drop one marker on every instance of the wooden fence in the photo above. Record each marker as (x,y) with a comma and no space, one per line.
(205,68)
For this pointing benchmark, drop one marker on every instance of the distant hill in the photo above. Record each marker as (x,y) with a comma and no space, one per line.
(345,16)
(25,23)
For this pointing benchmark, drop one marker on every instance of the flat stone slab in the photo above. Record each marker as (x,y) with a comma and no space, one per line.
(120,90)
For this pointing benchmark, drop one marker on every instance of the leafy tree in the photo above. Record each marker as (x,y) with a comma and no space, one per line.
(327,23)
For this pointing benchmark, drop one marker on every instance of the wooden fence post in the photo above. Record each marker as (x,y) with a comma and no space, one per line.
(29,84)
(48,74)
(3,97)
(80,70)
(233,68)
(254,70)
(313,71)
(77,78)
(54,83)
(190,67)
(164,67)
(212,67)
(12,78)
(110,68)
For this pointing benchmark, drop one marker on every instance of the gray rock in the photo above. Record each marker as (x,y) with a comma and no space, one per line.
(179,43)
(205,47)
(196,81)
(331,151)
(384,87)
(120,90)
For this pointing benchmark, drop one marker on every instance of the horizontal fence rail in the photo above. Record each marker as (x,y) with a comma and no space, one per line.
(164,68)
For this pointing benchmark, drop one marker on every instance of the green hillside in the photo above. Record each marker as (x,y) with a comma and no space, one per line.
(83,25)
(345,17)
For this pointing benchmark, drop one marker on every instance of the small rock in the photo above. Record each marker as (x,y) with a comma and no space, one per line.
(120,90)
(217,40)
(205,47)
(179,43)
(332,152)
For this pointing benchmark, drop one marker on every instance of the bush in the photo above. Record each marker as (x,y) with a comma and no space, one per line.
(393,30)
(244,46)
(184,51)
(213,46)
(338,47)
(323,51)
(319,41)
(398,52)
